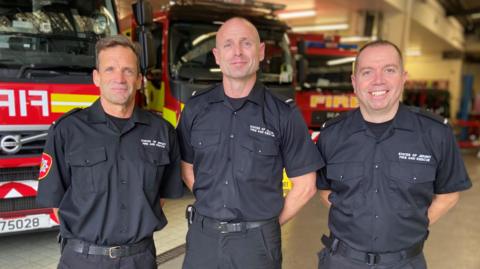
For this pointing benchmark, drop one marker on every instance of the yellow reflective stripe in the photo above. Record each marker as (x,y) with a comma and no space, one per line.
(62,102)
(170,116)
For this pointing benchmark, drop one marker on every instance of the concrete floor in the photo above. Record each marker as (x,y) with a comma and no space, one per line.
(454,241)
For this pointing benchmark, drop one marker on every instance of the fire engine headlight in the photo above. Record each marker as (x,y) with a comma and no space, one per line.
(100,24)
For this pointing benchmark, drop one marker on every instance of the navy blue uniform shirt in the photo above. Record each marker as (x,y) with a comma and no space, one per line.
(238,155)
(108,183)
(382,188)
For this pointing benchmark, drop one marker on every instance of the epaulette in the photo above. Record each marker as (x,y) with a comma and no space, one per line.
(199,92)
(66,114)
(428,114)
(335,120)
(287,100)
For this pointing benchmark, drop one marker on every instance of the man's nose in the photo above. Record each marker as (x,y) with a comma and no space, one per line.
(118,76)
(237,50)
(379,77)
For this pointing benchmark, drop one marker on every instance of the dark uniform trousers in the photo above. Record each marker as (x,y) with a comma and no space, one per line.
(256,248)
(334,260)
(71,259)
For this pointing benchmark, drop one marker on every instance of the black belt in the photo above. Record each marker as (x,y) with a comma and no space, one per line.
(337,246)
(228,227)
(83,247)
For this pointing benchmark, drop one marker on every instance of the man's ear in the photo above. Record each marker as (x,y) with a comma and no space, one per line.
(215,53)
(262,51)
(96,77)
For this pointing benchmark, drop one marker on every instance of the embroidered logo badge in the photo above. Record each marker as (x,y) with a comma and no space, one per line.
(45,165)
(261,130)
(414,157)
(153,143)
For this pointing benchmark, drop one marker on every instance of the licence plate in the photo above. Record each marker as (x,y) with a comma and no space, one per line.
(25,223)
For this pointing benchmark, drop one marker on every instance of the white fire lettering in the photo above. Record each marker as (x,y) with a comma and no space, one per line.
(25,97)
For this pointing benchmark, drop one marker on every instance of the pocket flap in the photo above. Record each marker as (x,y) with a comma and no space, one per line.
(413,172)
(344,171)
(157,157)
(87,157)
(202,139)
(267,149)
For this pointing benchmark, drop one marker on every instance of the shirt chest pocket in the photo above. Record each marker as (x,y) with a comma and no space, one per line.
(156,162)
(411,184)
(348,191)
(261,160)
(88,170)
(206,149)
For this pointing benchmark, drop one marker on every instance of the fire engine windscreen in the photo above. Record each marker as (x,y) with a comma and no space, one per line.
(191,56)
(38,34)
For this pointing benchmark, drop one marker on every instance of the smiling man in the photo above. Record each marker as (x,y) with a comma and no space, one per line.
(235,140)
(391,171)
(110,165)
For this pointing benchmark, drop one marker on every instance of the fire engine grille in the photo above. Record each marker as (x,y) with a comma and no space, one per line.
(32,147)
(19,174)
(15,204)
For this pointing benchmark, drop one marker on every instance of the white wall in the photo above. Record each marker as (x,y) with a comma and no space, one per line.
(433,67)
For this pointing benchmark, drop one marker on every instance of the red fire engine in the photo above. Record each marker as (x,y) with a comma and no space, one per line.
(47,53)
(323,85)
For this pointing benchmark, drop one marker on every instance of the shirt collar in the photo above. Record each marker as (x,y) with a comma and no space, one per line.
(96,114)
(403,120)
(256,95)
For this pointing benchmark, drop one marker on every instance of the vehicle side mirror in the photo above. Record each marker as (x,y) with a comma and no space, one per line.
(143,12)
(302,70)
(144,18)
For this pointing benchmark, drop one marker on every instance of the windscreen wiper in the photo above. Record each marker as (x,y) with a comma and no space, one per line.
(53,69)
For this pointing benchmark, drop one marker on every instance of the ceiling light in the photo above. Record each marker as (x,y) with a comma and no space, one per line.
(413,52)
(296,14)
(475,16)
(319,28)
(341,61)
(355,39)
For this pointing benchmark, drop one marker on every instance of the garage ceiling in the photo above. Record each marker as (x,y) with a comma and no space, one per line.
(330,11)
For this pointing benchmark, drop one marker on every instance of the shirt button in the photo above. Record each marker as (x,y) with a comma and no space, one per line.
(232,135)
(123,181)
(226,182)
(341,177)
(414,178)
(224,205)
(234,112)
(87,161)
(376,216)
(200,143)
(376,190)
(376,166)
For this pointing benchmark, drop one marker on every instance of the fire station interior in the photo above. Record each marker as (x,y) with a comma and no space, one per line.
(440,41)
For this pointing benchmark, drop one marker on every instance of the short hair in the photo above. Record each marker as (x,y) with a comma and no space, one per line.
(378,43)
(113,41)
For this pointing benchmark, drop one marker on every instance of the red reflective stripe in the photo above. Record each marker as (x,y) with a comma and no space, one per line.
(20,162)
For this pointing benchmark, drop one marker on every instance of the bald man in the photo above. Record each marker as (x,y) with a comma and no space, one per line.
(235,140)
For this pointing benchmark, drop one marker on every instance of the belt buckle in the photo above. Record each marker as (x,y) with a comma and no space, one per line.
(372,258)
(223,227)
(110,252)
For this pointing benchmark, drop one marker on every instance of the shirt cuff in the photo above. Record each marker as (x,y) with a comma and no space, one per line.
(304,170)
(460,187)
